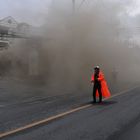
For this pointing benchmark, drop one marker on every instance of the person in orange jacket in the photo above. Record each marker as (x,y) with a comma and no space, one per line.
(100,88)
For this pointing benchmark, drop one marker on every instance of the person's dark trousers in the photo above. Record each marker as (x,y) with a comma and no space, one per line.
(97,86)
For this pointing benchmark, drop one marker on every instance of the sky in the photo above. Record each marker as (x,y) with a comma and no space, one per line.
(35,11)
(30,11)
(135,8)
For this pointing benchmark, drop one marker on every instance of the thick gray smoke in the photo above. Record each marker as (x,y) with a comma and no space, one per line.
(72,42)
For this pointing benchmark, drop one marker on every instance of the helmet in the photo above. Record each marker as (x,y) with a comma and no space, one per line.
(97,67)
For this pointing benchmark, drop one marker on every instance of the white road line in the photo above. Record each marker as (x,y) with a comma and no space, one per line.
(47,120)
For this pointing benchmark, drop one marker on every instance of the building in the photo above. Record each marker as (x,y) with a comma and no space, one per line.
(10,29)
(9,25)
(9,22)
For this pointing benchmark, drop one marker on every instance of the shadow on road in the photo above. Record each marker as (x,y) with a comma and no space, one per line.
(105,103)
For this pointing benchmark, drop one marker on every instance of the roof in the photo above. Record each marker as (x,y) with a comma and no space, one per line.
(8,18)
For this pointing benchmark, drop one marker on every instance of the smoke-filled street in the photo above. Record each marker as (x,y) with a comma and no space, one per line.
(69,69)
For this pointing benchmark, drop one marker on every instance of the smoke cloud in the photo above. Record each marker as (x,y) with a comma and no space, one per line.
(72,41)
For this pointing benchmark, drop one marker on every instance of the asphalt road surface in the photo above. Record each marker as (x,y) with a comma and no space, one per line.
(117,118)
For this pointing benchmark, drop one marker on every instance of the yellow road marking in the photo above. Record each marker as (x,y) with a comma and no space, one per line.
(20,129)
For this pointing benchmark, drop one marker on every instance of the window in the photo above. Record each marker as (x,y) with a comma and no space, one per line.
(9,21)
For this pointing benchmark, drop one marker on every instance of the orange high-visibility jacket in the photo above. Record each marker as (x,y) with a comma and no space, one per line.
(104,88)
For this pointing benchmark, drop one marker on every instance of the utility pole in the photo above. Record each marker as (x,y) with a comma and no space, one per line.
(73,5)
(52,3)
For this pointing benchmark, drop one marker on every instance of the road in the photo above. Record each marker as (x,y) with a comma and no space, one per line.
(133,131)
(115,119)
